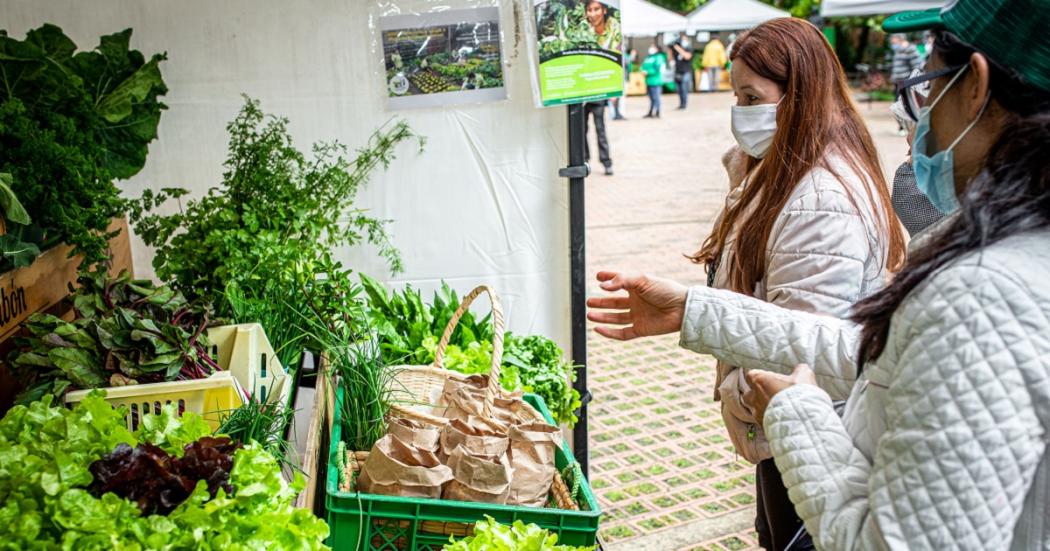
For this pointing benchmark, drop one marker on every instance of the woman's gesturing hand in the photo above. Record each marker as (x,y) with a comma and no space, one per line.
(766,384)
(653,306)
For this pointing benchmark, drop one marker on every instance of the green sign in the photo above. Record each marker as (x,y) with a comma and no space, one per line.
(580,45)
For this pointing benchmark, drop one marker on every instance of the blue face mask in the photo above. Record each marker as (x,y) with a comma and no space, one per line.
(935,176)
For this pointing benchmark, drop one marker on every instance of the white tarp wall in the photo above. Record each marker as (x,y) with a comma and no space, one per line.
(840,8)
(482,203)
(640,18)
(732,15)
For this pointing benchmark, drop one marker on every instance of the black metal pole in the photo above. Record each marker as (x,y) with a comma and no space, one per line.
(577,172)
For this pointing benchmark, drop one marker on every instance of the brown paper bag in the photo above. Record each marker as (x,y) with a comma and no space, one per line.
(414,433)
(462,399)
(397,469)
(532,449)
(478,479)
(479,436)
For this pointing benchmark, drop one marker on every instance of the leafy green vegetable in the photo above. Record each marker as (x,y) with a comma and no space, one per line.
(359,368)
(543,369)
(490,535)
(127,332)
(275,215)
(257,421)
(13,209)
(403,321)
(70,123)
(46,451)
(409,330)
(170,432)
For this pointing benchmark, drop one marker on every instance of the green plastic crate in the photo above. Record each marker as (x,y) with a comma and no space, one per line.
(359,521)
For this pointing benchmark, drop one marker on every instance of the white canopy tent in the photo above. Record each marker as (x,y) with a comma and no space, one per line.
(731,15)
(841,8)
(640,18)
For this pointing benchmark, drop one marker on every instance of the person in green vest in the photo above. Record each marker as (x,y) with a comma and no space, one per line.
(654,66)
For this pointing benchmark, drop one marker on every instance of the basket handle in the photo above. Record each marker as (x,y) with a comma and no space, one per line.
(497,338)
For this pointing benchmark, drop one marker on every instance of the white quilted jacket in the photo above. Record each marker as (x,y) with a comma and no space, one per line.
(943,444)
(824,253)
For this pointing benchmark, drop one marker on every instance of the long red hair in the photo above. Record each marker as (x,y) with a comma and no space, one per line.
(815,115)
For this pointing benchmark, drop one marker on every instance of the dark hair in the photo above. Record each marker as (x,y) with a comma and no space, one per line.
(1009,196)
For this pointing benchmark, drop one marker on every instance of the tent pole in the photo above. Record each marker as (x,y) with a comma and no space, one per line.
(576,172)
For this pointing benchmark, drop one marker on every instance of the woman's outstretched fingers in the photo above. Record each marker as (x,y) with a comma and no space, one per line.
(616,281)
(609,303)
(616,318)
(617,333)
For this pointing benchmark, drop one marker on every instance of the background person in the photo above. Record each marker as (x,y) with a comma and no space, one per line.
(596,110)
(654,66)
(682,52)
(906,59)
(714,60)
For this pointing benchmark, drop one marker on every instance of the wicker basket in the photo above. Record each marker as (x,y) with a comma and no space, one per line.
(418,387)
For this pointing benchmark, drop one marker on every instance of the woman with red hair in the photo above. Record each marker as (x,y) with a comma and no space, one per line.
(809,226)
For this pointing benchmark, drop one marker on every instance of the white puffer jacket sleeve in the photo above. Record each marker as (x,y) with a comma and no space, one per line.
(752,334)
(967,354)
(822,256)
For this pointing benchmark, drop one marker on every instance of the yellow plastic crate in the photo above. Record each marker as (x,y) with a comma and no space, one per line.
(245,351)
(208,397)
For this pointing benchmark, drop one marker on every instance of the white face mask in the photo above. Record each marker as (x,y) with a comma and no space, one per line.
(754,127)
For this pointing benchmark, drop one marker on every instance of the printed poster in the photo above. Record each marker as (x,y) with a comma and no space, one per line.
(442,58)
(580,46)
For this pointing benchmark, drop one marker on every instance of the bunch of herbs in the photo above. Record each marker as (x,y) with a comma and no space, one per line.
(70,124)
(276,213)
(258,421)
(404,322)
(357,363)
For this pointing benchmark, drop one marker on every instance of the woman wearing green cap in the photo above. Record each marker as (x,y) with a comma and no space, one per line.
(944,440)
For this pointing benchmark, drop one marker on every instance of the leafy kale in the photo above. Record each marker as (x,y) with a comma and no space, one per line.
(70,123)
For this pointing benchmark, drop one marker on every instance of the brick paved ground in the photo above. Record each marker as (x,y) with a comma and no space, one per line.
(662,466)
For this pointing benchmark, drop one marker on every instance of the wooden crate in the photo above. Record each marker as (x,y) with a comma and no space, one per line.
(314,460)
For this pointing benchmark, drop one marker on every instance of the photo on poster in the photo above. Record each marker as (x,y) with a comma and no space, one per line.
(442,58)
(580,50)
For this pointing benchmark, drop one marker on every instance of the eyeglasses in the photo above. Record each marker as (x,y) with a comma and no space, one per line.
(913,91)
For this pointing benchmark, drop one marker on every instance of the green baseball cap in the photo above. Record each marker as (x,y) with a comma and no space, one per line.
(1010,32)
